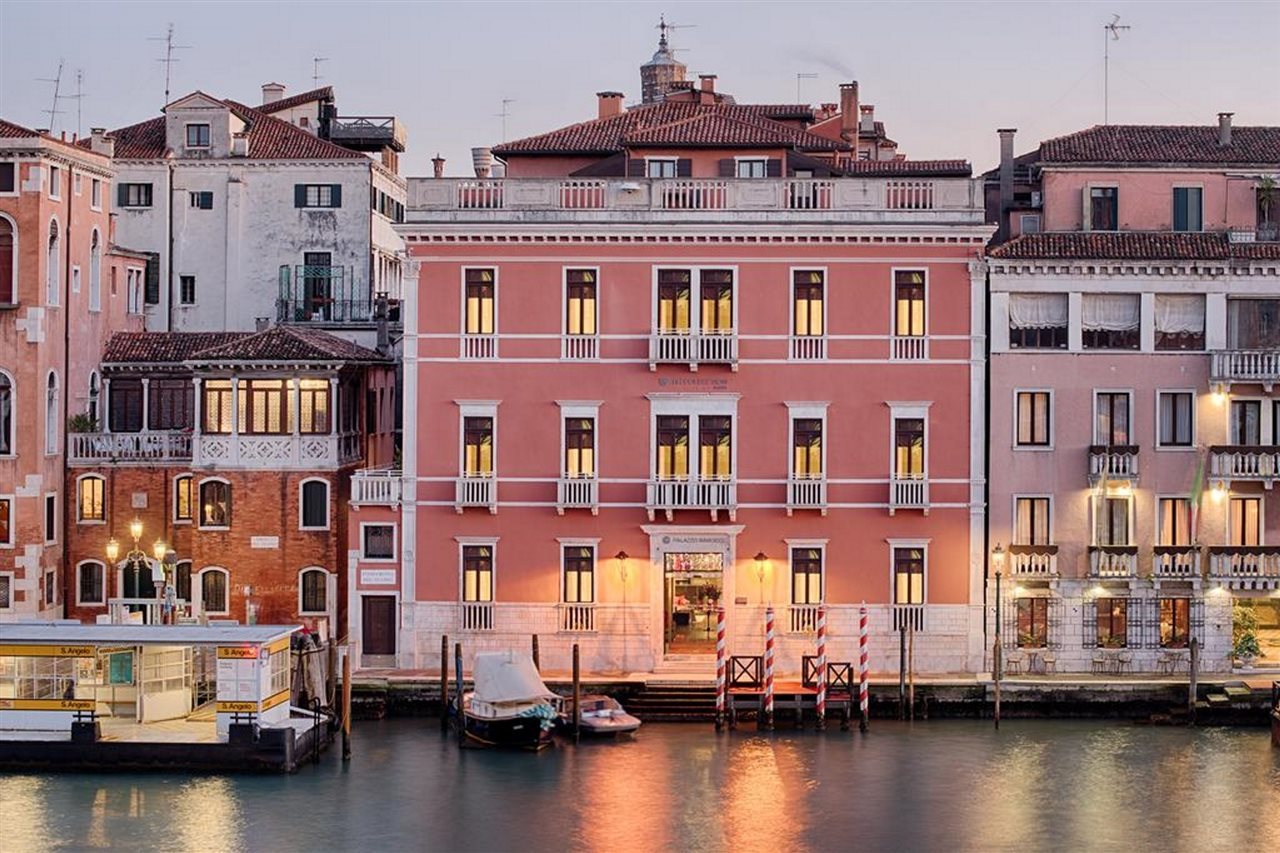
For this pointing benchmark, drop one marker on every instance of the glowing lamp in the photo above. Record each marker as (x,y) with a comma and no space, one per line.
(113,549)
(997,559)
(135,529)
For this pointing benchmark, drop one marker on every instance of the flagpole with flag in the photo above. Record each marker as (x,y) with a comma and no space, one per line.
(1197,495)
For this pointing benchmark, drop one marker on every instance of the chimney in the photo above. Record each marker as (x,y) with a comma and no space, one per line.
(240,144)
(849,110)
(100,143)
(1224,130)
(261,324)
(707,82)
(383,331)
(867,119)
(482,159)
(437,166)
(1006,179)
(272,92)
(608,104)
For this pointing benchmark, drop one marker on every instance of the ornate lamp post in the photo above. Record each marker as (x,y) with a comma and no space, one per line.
(135,557)
(762,567)
(997,665)
(624,574)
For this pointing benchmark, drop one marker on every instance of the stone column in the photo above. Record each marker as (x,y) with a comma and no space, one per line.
(146,404)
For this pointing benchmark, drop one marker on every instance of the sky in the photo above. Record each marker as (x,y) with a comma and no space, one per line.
(942,75)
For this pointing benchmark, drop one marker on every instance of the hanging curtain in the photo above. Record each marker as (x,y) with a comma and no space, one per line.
(1180,314)
(1037,310)
(1110,312)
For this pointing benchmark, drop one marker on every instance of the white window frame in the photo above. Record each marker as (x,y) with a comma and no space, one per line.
(17,180)
(186,135)
(694,407)
(55,182)
(1022,223)
(95,194)
(1086,213)
(80,602)
(805,411)
(791,310)
(75,278)
(13,415)
(13,507)
(44,516)
(574,409)
(1093,413)
(95,270)
(567,542)
(75,181)
(52,427)
(13,232)
(695,294)
(328,497)
(199,507)
(1159,497)
(1095,503)
(1265,412)
(1013,518)
(492,543)
(907,410)
(1183,448)
(53,264)
(395,542)
(675,168)
(893,301)
(1050,425)
(329,586)
(895,544)
(462,312)
(197,584)
(79,505)
(819,545)
(481,409)
(737,167)
(564,306)
(195,499)
(1173,205)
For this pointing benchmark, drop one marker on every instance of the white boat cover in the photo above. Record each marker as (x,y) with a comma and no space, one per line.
(508,677)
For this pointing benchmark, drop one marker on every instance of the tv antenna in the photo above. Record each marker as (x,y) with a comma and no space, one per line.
(803,75)
(506,102)
(1113,30)
(56,80)
(664,27)
(315,69)
(169,59)
(77,97)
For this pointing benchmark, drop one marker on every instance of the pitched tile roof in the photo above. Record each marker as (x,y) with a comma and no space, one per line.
(675,124)
(278,343)
(908,168)
(9,130)
(1133,246)
(324,93)
(1143,144)
(269,139)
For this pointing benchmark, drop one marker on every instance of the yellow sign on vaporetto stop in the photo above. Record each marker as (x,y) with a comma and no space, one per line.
(47,651)
(47,704)
(236,707)
(237,652)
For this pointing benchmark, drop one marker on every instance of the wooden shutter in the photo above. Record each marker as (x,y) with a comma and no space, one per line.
(728,168)
(299,195)
(122,195)
(335,200)
(152,288)
(684,168)
(635,168)
(773,168)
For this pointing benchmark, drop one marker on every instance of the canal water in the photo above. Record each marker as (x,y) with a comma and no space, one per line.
(942,785)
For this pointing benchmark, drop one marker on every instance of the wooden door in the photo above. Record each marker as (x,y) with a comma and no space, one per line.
(378,625)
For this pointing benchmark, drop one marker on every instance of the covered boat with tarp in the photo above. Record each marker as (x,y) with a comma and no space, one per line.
(510,706)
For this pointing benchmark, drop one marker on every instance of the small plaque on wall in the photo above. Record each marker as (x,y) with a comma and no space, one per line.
(138,500)
(377,577)
(264,542)
(741,599)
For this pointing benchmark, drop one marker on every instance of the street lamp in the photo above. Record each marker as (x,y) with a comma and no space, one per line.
(623,574)
(135,557)
(997,665)
(762,565)
(623,571)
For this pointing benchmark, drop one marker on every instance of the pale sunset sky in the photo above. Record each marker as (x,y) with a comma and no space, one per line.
(942,75)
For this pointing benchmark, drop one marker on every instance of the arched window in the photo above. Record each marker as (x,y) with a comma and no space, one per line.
(90,503)
(215,503)
(91,583)
(8,262)
(314,499)
(213,591)
(93,400)
(182,580)
(313,592)
(51,419)
(53,278)
(6,414)
(95,272)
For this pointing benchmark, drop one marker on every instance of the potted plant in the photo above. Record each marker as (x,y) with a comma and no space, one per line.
(1244,634)
(81,423)
(1267,230)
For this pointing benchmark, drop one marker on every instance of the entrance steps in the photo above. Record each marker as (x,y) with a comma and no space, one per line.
(674,702)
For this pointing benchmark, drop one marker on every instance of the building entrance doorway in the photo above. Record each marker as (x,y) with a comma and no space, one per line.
(693,584)
(378,625)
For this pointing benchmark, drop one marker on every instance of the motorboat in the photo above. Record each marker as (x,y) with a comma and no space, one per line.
(510,706)
(598,715)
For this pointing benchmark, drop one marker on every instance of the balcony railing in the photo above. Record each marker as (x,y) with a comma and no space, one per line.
(808,347)
(323,294)
(276,451)
(479,346)
(1113,561)
(1115,462)
(1035,561)
(846,199)
(580,347)
(694,348)
(377,486)
(476,490)
(1243,462)
(95,448)
(713,494)
(124,611)
(368,131)
(577,493)
(1246,567)
(807,492)
(1177,562)
(803,618)
(475,616)
(908,491)
(1245,365)
(908,617)
(577,618)
(910,348)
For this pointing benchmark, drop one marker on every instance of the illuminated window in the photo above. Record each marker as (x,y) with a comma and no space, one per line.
(215,503)
(674,288)
(908,443)
(580,293)
(477,573)
(806,575)
(806,439)
(673,447)
(183,497)
(480,302)
(579,574)
(809,305)
(909,304)
(715,444)
(477,459)
(579,447)
(1113,622)
(1033,622)
(908,576)
(90,499)
(1175,622)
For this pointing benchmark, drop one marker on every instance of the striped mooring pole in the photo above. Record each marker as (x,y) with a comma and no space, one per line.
(821,674)
(864,703)
(721,685)
(768,668)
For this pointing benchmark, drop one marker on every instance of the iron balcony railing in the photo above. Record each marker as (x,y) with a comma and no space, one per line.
(368,130)
(327,295)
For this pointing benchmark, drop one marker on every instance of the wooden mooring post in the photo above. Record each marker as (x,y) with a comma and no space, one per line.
(996,665)
(1193,677)
(457,668)
(911,669)
(577,694)
(346,705)
(902,673)
(537,664)
(444,682)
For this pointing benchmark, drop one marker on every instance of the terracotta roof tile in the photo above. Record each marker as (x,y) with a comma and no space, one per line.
(162,347)
(1133,246)
(278,343)
(9,130)
(1142,144)
(908,168)
(324,93)
(714,129)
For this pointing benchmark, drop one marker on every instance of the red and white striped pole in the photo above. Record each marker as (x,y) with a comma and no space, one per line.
(821,703)
(864,703)
(768,667)
(720,662)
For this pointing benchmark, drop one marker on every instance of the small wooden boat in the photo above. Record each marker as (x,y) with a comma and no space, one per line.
(510,706)
(598,715)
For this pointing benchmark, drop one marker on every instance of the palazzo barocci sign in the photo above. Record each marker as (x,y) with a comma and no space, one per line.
(693,383)
(670,543)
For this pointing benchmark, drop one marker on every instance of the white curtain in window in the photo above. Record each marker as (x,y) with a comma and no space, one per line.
(1037,310)
(1180,314)
(1110,312)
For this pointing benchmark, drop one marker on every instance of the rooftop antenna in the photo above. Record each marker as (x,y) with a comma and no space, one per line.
(168,60)
(664,27)
(56,80)
(803,75)
(506,102)
(1113,29)
(315,70)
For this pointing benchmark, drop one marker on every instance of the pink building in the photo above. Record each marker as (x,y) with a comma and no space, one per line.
(685,355)
(64,289)
(1135,359)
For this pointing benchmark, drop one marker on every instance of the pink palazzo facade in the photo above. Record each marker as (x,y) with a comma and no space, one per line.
(711,341)
(1135,416)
